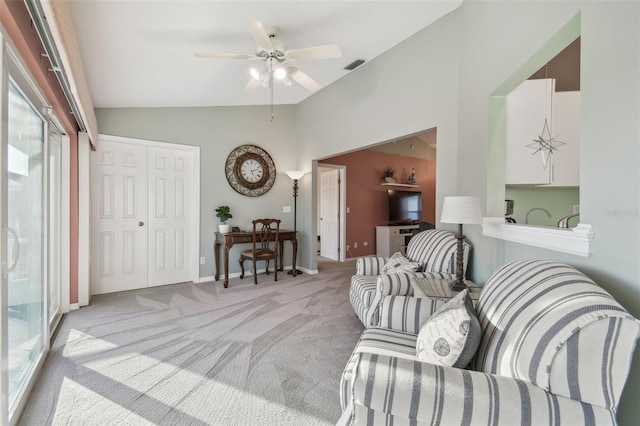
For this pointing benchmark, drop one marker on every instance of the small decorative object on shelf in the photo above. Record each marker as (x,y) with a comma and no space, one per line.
(224,214)
(412,177)
(388,175)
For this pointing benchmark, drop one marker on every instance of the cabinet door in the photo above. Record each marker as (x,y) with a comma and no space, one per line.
(566,129)
(528,105)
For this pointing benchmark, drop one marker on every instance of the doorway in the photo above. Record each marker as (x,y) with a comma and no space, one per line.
(331,207)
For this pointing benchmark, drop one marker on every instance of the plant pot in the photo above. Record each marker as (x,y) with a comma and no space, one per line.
(223,228)
(389,180)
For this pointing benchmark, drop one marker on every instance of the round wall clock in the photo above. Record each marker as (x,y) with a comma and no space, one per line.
(250,170)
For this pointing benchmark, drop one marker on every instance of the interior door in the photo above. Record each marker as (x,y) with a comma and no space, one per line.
(170,195)
(330,214)
(119,212)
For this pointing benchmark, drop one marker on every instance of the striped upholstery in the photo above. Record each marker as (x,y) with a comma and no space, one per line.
(379,341)
(395,285)
(407,314)
(395,391)
(435,248)
(371,265)
(567,319)
(556,349)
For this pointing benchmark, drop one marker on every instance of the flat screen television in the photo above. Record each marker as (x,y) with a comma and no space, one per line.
(404,206)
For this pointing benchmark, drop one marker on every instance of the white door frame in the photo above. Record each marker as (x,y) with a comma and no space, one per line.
(194,262)
(342,202)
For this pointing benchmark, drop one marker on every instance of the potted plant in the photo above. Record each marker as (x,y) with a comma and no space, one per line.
(224,214)
(388,175)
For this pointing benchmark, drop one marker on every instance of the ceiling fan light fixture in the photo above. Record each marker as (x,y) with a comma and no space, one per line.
(287,81)
(280,73)
(265,80)
(255,74)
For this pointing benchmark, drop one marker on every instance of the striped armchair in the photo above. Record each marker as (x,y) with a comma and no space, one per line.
(434,248)
(555,349)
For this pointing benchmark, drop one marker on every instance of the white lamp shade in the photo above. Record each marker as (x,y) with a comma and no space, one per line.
(464,210)
(296,174)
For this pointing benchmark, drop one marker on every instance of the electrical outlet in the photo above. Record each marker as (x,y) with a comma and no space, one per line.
(348,210)
(202,260)
(348,248)
(576,209)
(355,245)
(365,244)
(286,209)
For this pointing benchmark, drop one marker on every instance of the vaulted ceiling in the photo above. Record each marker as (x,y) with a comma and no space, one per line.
(141,53)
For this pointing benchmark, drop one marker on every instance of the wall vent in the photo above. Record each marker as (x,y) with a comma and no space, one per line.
(355,64)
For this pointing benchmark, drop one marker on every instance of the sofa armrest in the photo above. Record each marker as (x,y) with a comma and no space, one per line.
(406,313)
(385,388)
(371,265)
(398,283)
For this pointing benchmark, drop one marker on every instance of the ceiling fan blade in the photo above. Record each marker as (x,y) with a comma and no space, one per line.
(259,34)
(253,84)
(319,52)
(303,79)
(223,55)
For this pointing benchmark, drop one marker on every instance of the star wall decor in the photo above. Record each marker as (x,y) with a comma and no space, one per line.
(545,144)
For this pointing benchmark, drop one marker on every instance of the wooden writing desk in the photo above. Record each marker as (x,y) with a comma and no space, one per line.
(245,237)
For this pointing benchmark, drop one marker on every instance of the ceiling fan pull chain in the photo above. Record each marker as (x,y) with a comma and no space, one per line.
(271,119)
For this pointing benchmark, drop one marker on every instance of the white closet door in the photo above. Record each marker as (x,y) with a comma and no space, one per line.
(119,205)
(170,195)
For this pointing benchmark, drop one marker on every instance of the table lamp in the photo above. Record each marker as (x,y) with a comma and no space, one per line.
(460,210)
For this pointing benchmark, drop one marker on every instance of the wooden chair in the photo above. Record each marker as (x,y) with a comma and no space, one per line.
(265,246)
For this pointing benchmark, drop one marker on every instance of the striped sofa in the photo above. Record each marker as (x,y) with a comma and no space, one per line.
(434,248)
(555,349)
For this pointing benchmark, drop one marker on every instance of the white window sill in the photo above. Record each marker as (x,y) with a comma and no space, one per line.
(575,241)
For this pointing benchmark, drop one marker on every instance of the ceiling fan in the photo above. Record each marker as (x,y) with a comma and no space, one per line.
(277,59)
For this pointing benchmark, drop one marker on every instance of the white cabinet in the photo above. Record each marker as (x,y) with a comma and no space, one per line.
(527,108)
(528,105)
(391,239)
(566,128)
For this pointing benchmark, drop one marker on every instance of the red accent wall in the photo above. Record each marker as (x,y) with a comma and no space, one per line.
(15,18)
(367,198)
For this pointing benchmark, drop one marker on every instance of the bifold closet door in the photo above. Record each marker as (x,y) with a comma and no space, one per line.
(141,200)
(119,215)
(170,195)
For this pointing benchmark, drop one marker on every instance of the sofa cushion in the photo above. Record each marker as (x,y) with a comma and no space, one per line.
(451,336)
(398,263)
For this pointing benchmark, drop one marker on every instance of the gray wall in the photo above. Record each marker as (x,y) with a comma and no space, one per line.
(217,131)
(442,78)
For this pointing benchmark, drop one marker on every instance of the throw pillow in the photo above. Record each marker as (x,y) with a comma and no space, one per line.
(450,336)
(397,262)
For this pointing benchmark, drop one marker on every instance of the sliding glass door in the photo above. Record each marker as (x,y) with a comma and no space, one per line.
(26,242)
(34,195)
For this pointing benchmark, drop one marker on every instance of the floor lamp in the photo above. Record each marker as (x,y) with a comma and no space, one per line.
(460,210)
(295,175)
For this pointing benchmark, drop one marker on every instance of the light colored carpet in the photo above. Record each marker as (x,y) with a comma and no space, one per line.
(185,354)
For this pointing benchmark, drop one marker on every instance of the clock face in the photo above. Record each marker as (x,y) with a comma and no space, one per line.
(250,170)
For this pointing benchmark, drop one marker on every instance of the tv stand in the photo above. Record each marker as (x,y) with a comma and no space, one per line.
(393,238)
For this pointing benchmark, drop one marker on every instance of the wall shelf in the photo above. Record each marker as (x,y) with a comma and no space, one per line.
(404,185)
